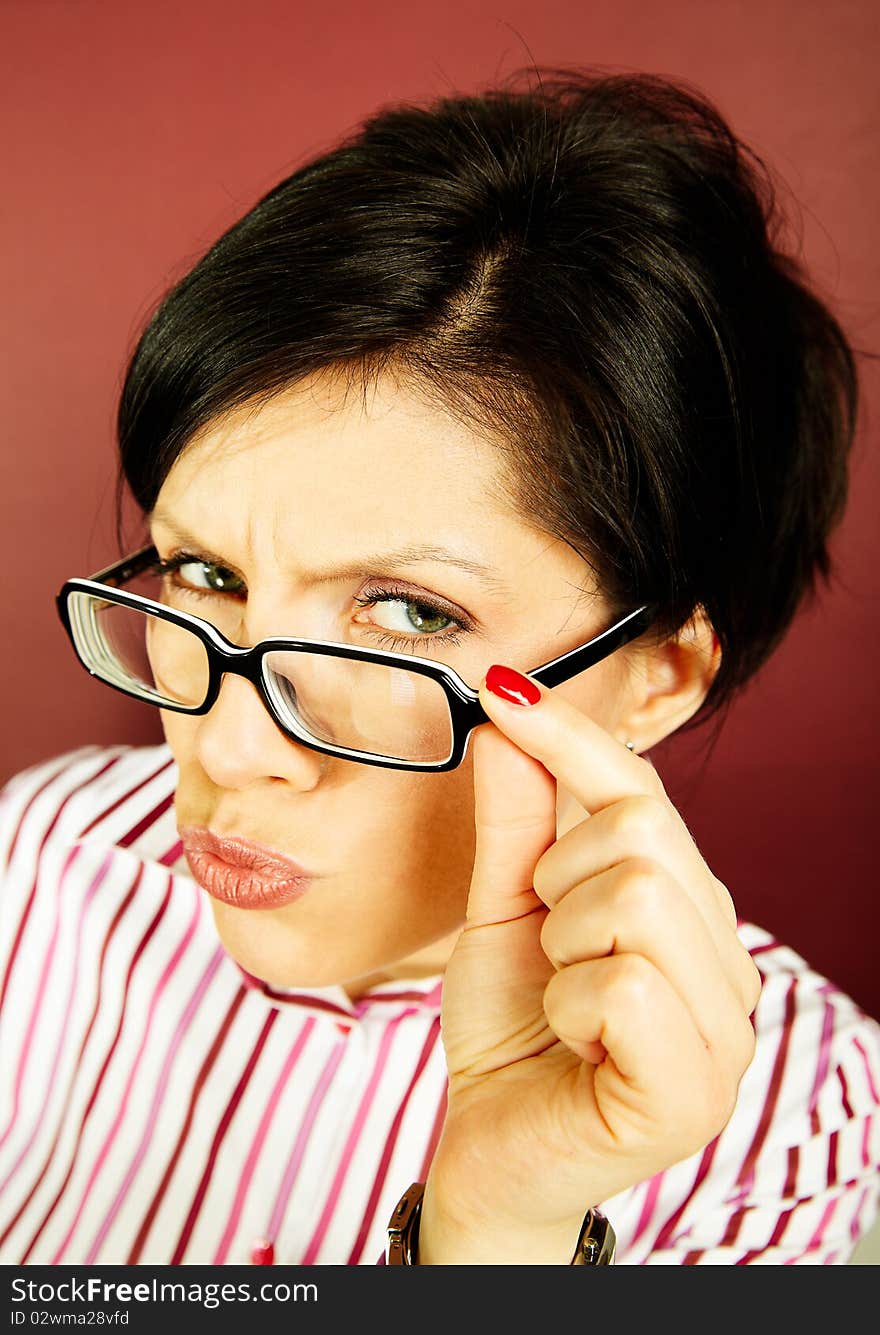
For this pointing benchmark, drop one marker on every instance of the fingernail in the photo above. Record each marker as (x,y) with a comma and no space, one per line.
(512,686)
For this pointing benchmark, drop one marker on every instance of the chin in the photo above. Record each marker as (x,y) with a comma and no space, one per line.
(257,942)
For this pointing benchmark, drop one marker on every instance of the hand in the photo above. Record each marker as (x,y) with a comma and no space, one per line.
(595,1008)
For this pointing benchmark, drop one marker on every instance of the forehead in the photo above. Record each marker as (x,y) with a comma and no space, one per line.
(321,420)
(323,479)
(382,463)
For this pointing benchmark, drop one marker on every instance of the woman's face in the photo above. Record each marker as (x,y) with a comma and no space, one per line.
(291,515)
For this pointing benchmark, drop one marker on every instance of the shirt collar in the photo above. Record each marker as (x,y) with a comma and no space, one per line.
(383,1000)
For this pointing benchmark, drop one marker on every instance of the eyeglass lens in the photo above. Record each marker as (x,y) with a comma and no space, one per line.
(353,704)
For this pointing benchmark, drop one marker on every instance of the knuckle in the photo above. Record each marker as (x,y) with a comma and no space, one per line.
(746,1043)
(551,944)
(652,779)
(753,985)
(640,819)
(552,998)
(725,900)
(543,879)
(641,889)
(630,983)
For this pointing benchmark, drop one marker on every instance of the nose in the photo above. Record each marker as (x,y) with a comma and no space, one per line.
(239,743)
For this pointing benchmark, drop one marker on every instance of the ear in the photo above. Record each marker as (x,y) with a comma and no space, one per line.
(668,682)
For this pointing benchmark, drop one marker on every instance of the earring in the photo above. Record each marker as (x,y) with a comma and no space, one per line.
(630,745)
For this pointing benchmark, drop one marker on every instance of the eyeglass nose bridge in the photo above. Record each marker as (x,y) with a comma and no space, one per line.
(232,660)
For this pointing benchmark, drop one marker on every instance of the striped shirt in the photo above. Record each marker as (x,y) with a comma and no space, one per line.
(158,1105)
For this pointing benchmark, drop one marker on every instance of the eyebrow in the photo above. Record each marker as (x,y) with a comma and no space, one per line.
(411,554)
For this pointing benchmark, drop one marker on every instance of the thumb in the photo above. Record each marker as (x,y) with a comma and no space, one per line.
(515,822)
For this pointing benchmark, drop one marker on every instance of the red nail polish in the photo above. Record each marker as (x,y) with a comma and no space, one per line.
(510,685)
(262,1252)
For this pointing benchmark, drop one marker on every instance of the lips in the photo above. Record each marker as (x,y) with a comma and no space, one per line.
(242,873)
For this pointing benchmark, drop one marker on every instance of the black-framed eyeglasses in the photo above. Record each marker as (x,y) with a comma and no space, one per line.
(397,710)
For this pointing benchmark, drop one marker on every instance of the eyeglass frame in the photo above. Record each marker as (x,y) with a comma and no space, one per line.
(466,712)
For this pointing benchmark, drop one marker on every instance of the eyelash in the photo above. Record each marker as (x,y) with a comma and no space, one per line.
(393,594)
(369,598)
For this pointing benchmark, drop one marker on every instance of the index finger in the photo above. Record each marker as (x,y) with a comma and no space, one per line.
(591,764)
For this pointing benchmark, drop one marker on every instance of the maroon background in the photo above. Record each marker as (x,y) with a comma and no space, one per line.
(134,133)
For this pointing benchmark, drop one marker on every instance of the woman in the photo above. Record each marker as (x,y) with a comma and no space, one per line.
(504,382)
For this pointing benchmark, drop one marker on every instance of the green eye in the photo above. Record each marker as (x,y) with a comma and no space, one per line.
(208,577)
(433,621)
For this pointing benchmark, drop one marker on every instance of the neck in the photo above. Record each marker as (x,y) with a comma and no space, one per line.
(425,963)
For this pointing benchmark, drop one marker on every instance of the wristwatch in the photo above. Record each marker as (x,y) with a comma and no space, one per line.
(595,1245)
(596,1241)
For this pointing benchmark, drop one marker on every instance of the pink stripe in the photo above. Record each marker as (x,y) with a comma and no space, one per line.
(222,1129)
(381,1173)
(832,1159)
(97,880)
(302,1139)
(866,1136)
(27,1047)
(762,950)
(816,1239)
(126,840)
(97,1083)
(844,1093)
(855,1226)
(173,855)
(159,1094)
(821,1066)
(13,952)
(873,1088)
(427,999)
(354,1136)
(665,1235)
(293,998)
(746,1176)
(64,765)
(48,961)
(117,1121)
(776,1236)
(126,796)
(434,1138)
(649,1205)
(247,1171)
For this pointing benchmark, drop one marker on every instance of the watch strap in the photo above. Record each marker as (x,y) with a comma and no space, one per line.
(403,1227)
(595,1245)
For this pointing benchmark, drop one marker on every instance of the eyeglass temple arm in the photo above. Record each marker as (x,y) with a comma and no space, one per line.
(561,669)
(132,565)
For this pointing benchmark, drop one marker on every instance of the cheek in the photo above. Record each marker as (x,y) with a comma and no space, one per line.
(442,814)
(422,827)
(180,734)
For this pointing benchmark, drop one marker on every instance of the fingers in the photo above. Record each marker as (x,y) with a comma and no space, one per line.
(629,880)
(659,1081)
(641,826)
(515,822)
(586,760)
(600,774)
(638,909)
